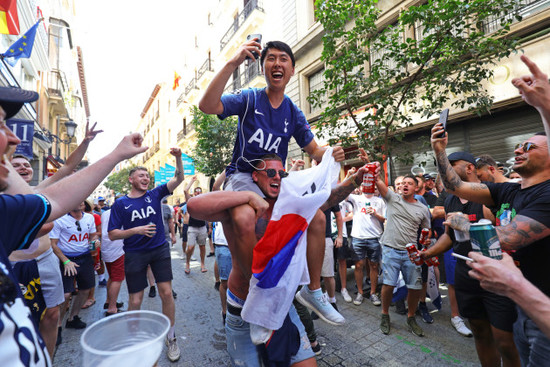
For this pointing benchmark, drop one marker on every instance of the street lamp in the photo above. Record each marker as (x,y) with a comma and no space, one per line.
(70,125)
(71,129)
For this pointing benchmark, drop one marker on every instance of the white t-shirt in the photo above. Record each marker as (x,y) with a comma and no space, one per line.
(366,225)
(73,242)
(110,250)
(219,236)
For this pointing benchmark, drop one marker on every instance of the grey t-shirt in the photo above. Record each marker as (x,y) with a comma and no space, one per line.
(166,215)
(403,221)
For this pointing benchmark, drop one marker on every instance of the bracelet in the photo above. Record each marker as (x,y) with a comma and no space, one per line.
(66,262)
(352,179)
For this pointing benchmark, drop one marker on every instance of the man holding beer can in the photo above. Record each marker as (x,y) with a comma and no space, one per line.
(491,316)
(527,204)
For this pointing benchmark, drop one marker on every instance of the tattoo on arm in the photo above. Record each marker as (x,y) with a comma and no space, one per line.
(522,231)
(448,175)
(338,194)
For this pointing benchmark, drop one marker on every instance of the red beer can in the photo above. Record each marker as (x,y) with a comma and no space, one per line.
(432,261)
(414,254)
(424,236)
(368,179)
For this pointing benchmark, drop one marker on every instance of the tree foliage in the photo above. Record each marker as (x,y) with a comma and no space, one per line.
(215,141)
(118,181)
(435,55)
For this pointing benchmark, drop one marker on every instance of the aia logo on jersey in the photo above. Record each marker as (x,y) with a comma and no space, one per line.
(81,237)
(143,213)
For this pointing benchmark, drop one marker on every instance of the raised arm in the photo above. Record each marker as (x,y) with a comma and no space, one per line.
(535,90)
(74,189)
(219,182)
(341,192)
(210,102)
(477,192)
(214,206)
(316,152)
(188,187)
(178,175)
(74,159)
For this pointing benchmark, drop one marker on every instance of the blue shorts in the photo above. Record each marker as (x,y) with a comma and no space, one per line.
(533,346)
(395,261)
(366,248)
(240,347)
(223,258)
(135,267)
(85,276)
(450,265)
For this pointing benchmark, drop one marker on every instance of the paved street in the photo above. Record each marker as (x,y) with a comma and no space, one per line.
(201,335)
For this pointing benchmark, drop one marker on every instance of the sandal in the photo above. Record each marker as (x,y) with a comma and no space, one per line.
(187,271)
(107,314)
(204,270)
(88,304)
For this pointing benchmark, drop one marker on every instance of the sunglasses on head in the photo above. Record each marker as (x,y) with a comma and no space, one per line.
(527,146)
(271,172)
(78,226)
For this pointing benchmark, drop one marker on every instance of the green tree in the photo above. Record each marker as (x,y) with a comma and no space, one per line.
(118,181)
(451,53)
(215,141)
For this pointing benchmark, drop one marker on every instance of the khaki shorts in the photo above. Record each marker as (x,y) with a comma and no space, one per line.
(328,261)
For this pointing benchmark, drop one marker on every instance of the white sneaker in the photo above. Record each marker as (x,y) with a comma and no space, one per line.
(173,352)
(317,301)
(358,300)
(375,300)
(345,295)
(459,325)
(259,334)
(193,258)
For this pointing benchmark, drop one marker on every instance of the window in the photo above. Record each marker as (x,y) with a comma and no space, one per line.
(315,83)
(379,54)
(524,8)
(184,126)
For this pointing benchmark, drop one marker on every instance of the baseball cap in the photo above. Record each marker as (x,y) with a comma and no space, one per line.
(100,198)
(427,176)
(12,99)
(462,156)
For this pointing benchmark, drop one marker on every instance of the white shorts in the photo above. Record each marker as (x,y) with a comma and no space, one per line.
(197,236)
(328,261)
(242,181)
(50,278)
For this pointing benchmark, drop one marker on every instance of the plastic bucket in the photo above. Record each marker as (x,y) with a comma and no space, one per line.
(133,338)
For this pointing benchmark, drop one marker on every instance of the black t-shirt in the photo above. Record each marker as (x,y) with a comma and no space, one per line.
(328,228)
(475,213)
(196,223)
(430,198)
(533,202)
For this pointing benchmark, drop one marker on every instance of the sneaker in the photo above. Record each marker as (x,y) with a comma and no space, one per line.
(152,292)
(400,307)
(259,334)
(459,326)
(173,352)
(102,283)
(174,294)
(193,258)
(75,323)
(358,300)
(118,305)
(318,301)
(375,300)
(385,324)
(413,326)
(345,295)
(314,316)
(59,338)
(217,286)
(423,311)
(333,304)
(211,254)
(316,349)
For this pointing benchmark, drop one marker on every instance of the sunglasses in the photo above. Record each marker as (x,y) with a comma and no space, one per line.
(78,226)
(526,146)
(271,172)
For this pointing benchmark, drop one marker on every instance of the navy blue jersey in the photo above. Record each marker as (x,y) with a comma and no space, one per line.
(129,212)
(265,129)
(21,218)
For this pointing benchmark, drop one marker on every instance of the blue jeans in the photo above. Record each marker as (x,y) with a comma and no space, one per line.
(223,257)
(533,346)
(395,261)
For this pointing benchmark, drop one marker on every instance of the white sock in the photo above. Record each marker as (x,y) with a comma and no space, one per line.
(101,277)
(332,300)
(311,290)
(172,332)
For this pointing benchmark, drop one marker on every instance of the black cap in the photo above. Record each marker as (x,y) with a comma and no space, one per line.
(462,156)
(427,176)
(12,99)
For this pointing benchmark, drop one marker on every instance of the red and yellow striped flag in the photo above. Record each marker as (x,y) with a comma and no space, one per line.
(9,20)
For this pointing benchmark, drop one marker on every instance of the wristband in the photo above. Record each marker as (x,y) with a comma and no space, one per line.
(352,179)
(66,262)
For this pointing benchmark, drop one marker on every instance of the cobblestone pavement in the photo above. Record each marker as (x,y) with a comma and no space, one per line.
(359,342)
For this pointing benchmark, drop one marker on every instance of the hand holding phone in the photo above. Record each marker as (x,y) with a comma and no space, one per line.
(443,117)
(259,40)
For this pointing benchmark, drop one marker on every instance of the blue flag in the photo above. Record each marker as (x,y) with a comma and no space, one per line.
(22,47)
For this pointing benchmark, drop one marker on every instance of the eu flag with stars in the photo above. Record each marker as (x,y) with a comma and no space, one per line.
(22,47)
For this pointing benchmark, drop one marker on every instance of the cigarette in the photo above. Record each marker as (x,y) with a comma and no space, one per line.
(465,258)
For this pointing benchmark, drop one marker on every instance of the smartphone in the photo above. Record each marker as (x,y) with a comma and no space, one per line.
(251,37)
(443,117)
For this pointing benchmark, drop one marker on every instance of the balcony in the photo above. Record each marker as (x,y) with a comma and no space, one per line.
(192,85)
(239,20)
(206,66)
(244,77)
(181,99)
(524,8)
(156,147)
(57,83)
(181,134)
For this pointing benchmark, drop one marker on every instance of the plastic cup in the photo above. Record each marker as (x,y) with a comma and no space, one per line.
(462,236)
(133,338)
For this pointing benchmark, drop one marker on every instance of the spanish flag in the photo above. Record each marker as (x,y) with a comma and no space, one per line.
(9,20)
(176,81)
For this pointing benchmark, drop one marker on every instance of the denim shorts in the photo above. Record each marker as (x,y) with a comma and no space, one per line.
(366,248)
(244,353)
(394,261)
(223,257)
(533,346)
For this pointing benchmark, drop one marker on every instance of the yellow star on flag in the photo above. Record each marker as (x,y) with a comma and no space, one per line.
(24,44)
(20,49)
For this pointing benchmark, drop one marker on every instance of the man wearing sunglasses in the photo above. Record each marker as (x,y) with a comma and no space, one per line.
(70,238)
(523,209)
